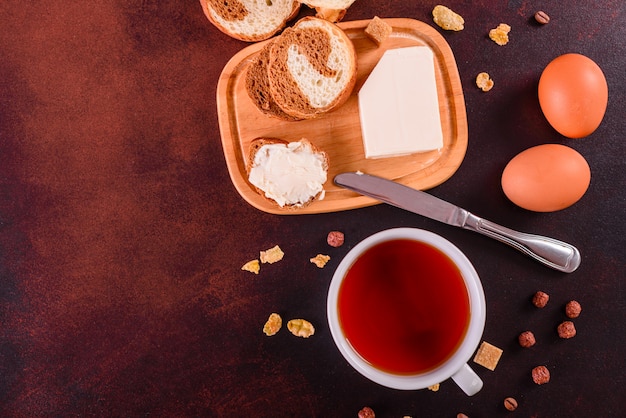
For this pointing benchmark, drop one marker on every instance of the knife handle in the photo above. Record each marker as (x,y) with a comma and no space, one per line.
(553,253)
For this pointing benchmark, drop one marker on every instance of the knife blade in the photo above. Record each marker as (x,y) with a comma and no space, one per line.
(551,252)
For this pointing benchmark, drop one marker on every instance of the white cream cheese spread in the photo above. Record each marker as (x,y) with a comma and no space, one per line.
(290,174)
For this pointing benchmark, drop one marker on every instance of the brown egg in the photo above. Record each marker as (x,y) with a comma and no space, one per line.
(546,178)
(573,95)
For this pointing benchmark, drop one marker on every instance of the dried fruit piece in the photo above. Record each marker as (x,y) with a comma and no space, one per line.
(446,19)
(540,299)
(484,82)
(272,255)
(526,339)
(488,355)
(510,404)
(300,328)
(252,266)
(273,324)
(541,375)
(320,260)
(335,238)
(566,329)
(500,35)
(434,387)
(572,309)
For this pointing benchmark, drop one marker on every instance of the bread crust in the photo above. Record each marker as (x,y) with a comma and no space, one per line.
(331,10)
(237,10)
(332,15)
(314,40)
(258,143)
(329,4)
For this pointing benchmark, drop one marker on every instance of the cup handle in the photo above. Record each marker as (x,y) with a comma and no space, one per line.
(468,380)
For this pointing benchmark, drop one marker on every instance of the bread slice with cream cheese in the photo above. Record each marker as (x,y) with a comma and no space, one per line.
(289,174)
(250,20)
(312,68)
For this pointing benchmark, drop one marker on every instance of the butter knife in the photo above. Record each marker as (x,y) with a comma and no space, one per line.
(551,252)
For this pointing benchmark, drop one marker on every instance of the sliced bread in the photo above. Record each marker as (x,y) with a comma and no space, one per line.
(258,85)
(250,20)
(289,174)
(312,68)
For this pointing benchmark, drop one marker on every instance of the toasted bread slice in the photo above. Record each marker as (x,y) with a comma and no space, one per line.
(290,175)
(258,85)
(312,68)
(250,20)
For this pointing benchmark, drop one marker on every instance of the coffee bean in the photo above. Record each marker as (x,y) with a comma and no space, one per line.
(542,17)
(510,404)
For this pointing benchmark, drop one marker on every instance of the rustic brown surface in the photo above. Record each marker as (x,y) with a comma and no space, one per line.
(122,236)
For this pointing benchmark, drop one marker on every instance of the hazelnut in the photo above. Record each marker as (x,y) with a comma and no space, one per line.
(526,339)
(540,299)
(461,415)
(367,412)
(572,309)
(510,404)
(566,329)
(542,17)
(335,238)
(541,375)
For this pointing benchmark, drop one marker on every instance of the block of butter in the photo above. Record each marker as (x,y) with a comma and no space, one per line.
(398,104)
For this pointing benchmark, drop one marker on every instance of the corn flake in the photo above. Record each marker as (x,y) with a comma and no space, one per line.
(446,19)
(301,328)
(320,260)
(252,266)
(500,35)
(434,387)
(484,82)
(272,255)
(273,325)
(488,355)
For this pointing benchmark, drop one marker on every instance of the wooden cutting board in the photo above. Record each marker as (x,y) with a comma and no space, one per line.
(338,133)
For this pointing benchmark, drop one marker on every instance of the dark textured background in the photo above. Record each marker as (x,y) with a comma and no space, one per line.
(122,237)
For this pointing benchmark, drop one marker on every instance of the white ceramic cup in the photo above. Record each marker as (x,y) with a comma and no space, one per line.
(455,366)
